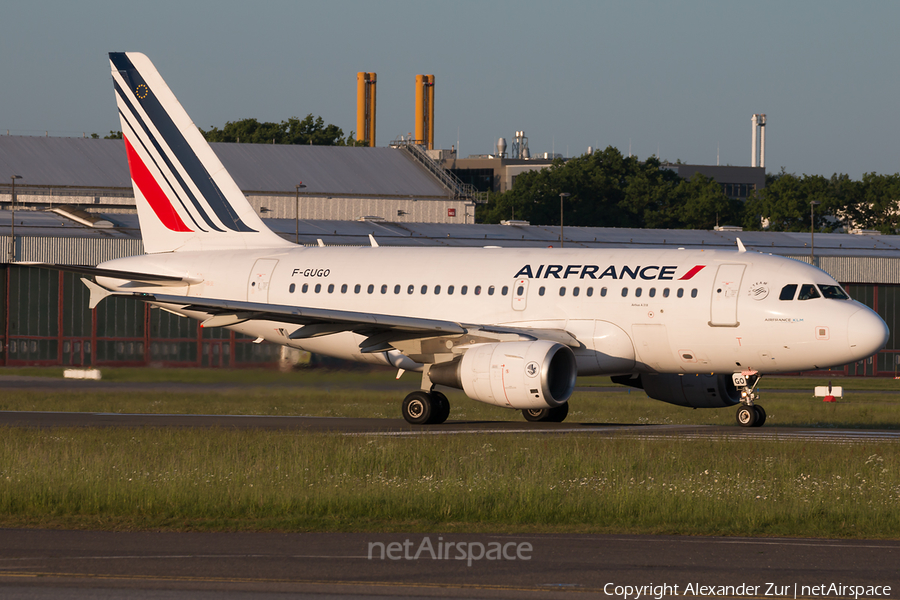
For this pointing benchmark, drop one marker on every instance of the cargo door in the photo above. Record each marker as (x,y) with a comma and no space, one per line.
(260,275)
(723,307)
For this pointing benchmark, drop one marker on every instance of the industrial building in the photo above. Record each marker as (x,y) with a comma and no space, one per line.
(280,181)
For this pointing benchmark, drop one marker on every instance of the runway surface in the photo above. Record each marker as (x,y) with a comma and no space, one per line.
(399,427)
(350,565)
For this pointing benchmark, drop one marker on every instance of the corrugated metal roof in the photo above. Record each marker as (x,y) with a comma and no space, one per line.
(324,170)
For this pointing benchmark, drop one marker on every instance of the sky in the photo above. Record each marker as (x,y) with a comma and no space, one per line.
(680,80)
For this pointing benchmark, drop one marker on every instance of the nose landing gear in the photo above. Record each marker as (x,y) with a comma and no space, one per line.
(748,414)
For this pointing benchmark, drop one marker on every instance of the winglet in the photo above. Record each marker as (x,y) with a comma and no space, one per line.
(372,241)
(98,292)
(740,244)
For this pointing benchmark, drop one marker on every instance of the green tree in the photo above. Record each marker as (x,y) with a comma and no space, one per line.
(310,130)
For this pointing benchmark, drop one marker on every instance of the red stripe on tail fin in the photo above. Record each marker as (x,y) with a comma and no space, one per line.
(157,199)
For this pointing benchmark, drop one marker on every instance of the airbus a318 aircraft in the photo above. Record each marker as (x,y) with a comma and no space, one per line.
(510,327)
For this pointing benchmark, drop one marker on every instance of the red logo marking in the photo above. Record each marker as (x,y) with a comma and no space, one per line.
(691,273)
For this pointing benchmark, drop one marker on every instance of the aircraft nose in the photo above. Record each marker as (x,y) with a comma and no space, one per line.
(867,333)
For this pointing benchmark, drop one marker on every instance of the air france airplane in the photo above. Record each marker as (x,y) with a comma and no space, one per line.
(510,327)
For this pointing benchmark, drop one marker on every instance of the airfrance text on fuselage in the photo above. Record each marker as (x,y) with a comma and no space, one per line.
(649,273)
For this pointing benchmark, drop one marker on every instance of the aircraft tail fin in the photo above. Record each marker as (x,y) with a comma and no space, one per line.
(186,200)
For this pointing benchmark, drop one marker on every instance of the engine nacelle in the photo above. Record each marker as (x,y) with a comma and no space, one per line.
(696,391)
(538,374)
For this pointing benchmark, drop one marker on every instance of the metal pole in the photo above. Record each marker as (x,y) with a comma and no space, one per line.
(561,198)
(812,232)
(12,222)
(297,214)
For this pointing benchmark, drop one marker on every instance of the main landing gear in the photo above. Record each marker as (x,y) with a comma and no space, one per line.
(748,414)
(547,415)
(426,408)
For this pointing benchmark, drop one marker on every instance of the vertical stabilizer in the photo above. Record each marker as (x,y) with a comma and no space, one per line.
(185,198)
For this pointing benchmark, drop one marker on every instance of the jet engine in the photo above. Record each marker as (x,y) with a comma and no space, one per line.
(696,391)
(520,375)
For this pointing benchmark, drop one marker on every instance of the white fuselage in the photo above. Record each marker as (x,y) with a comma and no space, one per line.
(632,311)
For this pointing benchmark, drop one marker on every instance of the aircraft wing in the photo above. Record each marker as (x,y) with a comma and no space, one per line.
(417,337)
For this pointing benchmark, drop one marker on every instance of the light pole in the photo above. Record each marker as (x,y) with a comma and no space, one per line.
(12,222)
(297,214)
(812,231)
(562,197)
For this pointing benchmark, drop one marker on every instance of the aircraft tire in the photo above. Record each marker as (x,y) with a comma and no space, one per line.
(547,415)
(441,408)
(746,416)
(760,415)
(418,408)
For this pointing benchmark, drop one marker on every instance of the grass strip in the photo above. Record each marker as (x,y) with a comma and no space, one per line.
(220,480)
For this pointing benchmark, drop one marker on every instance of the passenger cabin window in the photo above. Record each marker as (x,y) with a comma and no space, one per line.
(344,288)
(541,291)
(787,292)
(463,290)
(371,289)
(305,288)
(807,292)
(356,288)
(562,291)
(590,291)
(694,293)
(292,288)
(384,288)
(651,292)
(575,291)
(602,292)
(424,289)
(624,292)
(505,290)
(397,289)
(477,290)
(490,290)
(637,292)
(449,290)
(834,292)
(410,289)
(437,290)
(318,287)
(680,293)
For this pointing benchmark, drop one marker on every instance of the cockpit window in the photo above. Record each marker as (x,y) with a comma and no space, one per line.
(834,292)
(808,291)
(787,292)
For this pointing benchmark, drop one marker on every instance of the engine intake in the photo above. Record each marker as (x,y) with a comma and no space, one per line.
(538,374)
(696,391)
